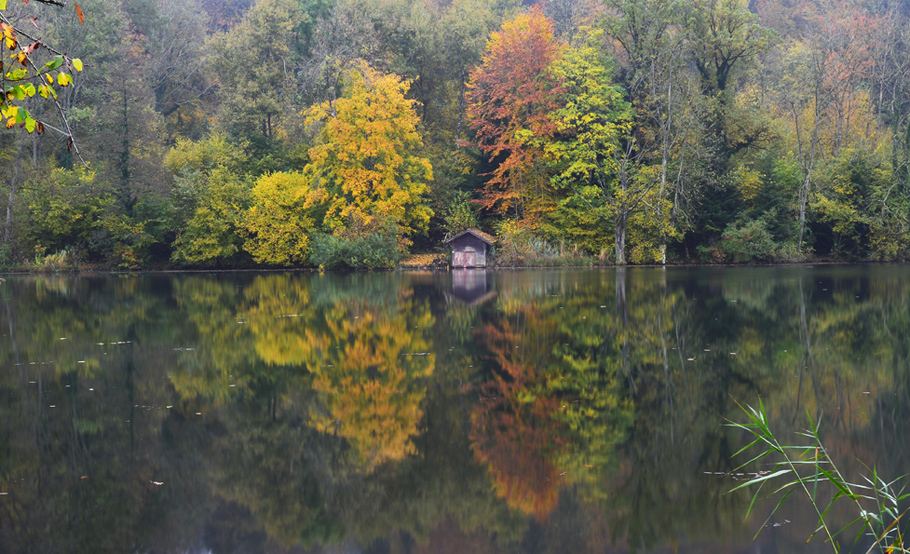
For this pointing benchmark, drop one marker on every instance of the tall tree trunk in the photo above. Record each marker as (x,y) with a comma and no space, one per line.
(621,213)
(620,231)
(13,186)
(461,107)
(664,155)
(804,190)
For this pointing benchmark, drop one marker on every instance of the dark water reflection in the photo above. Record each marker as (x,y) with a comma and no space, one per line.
(541,411)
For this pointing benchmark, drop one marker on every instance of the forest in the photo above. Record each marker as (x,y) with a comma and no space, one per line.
(348,133)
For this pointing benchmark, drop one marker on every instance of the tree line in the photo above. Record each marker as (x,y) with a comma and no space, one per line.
(349,132)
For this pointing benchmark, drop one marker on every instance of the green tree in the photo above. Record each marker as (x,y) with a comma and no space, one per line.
(653,72)
(66,210)
(722,39)
(210,197)
(213,233)
(254,63)
(591,119)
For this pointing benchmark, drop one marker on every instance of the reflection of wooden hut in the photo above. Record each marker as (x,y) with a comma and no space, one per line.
(469,248)
(471,286)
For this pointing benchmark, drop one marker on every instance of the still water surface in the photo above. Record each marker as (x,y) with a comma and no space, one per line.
(489,412)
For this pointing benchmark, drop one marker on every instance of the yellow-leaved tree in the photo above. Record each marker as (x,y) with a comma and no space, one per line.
(366,156)
(281,218)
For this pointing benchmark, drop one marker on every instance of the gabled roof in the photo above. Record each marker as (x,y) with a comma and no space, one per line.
(489,239)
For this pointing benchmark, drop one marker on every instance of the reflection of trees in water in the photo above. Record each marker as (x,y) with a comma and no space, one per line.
(370,369)
(681,352)
(74,461)
(550,413)
(798,344)
(603,401)
(513,428)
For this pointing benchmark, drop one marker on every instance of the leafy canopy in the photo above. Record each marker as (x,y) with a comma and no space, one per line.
(366,156)
(510,98)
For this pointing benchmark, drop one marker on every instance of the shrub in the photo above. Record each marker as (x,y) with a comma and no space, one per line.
(460,213)
(519,246)
(62,260)
(373,251)
(66,208)
(748,242)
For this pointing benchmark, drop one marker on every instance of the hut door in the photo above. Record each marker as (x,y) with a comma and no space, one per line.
(458,259)
(470,259)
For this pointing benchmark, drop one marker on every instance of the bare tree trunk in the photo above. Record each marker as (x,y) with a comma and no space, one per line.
(461,107)
(620,231)
(804,190)
(621,213)
(664,155)
(13,186)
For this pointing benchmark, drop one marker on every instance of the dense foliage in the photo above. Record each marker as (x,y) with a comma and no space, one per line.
(633,131)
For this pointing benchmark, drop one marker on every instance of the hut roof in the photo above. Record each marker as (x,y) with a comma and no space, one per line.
(489,239)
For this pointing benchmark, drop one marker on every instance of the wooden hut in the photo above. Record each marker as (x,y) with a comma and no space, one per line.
(469,248)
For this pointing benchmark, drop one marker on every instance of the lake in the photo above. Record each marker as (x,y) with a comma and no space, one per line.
(475,411)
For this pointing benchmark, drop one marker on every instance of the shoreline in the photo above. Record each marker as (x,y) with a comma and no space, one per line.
(447,269)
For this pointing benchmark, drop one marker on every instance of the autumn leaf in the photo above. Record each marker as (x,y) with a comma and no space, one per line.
(79,13)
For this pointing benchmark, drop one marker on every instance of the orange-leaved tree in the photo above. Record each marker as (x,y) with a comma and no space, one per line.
(512,95)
